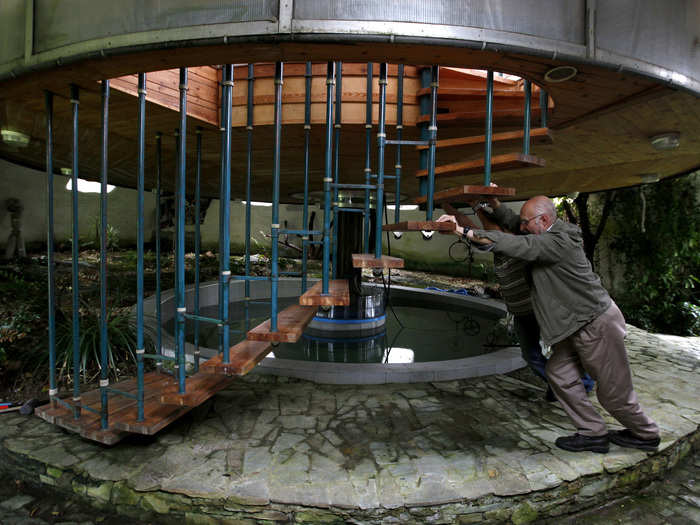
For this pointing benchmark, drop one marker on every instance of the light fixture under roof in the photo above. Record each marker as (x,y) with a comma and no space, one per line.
(666,141)
(649,178)
(560,74)
(14,138)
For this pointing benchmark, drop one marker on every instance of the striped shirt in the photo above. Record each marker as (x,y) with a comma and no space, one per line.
(512,275)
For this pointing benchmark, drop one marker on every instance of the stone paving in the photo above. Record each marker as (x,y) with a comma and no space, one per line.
(269,449)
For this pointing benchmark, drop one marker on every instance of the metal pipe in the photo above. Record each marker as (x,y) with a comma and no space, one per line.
(275,226)
(381,137)
(432,137)
(544,103)
(180,243)
(399,131)
(527,88)
(336,154)
(222,149)
(226,208)
(75,100)
(50,263)
(197,242)
(140,350)
(368,150)
(489,128)
(159,316)
(248,183)
(327,179)
(307,143)
(104,336)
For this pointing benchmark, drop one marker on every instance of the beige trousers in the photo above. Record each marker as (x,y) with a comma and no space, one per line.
(599,348)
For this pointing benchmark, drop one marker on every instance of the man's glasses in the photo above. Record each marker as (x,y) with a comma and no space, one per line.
(525,222)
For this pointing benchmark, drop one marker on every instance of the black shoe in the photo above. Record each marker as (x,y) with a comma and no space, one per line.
(549,395)
(625,438)
(579,443)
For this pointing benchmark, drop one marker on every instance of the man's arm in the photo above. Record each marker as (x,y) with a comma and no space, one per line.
(462,219)
(546,247)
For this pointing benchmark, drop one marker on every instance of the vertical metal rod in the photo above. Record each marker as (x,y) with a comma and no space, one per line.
(399,131)
(544,102)
(51,270)
(307,143)
(432,138)
(489,128)
(381,145)
(75,100)
(141,133)
(104,336)
(159,330)
(328,178)
(197,243)
(180,242)
(274,227)
(222,202)
(527,88)
(225,276)
(248,191)
(336,153)
(368,152)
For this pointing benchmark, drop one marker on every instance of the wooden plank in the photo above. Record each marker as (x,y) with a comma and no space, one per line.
(243,357)
(415,226)
(509,161)
(468,192)
(367,260)
(338,294)
(199,387)
(290,325)
(478,116)
(537,136)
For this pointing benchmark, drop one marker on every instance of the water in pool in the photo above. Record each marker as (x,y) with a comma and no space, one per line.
(411,335)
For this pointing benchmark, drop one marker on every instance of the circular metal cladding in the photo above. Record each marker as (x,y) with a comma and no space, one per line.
(560,74)
(365,347)
(365,315)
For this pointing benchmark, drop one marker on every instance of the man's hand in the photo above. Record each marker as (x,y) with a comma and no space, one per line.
(451,218)
(478,240)
(492,200)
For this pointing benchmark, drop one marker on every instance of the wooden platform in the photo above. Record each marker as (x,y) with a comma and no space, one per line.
(415,226)
(290,325)
(367,260)
(468,192)
(199,387)
(243,357)
(509,161)
(338,294)
(507,138)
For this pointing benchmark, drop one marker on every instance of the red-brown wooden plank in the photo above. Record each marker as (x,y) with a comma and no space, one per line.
(290,325)
(415,226)
(338,294)
(468,192)
(537,136)
(243,357)
(367,260)
(509,161)
(199,387)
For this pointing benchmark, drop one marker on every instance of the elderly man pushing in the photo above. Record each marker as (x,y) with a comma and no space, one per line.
(581,323)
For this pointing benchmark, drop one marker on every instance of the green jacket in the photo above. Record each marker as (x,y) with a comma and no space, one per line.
(566,294)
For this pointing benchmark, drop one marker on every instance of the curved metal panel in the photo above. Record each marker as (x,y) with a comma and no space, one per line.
(563,20)
(64,22)
(11,30)
(663,33)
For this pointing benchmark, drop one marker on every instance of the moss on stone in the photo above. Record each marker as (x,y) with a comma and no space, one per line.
(123,495)
(155,502)
(101,492)
(317,516)
(524,513)
(54,472)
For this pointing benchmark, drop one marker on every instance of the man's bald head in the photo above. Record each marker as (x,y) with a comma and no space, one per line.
(537,214)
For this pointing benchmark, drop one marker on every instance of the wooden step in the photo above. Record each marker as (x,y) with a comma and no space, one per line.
(509,161)
(243,357)
(367,260)
(468,192)
(479,93)
(291,323)
(416,226)
(199,387)
(507,138)
(338,294)
(504,116)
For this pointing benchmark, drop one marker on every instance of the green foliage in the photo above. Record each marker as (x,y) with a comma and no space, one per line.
(661,259)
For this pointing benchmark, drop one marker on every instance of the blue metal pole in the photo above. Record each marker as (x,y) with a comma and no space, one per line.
(180,242)
(381,145)
(544,102)
(104,341)
(197,233)
(526,119)
(159,330)
(489,128)
(328,178)
(222,202)
(432,138)
(75,100)
(336,153)
(399,130)
(368,152)
(248,190)
(307,143)
(225,276)
(140,350)
(274,228)
(51,269)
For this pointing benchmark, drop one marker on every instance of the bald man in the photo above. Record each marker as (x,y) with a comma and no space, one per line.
(581,323)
